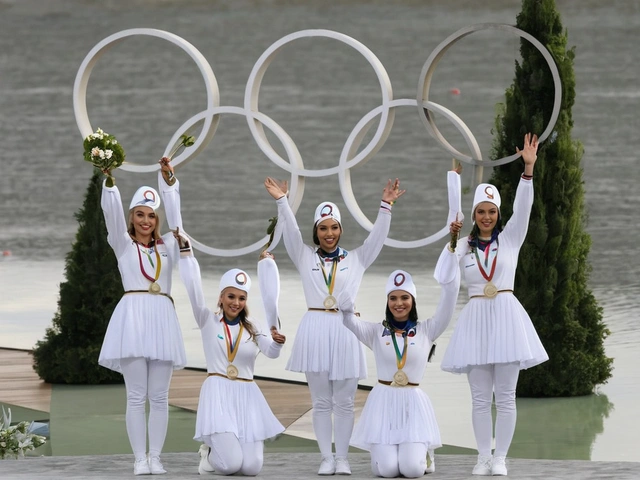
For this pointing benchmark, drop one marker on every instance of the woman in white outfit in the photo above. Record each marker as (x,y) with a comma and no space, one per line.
(233,417)
(398,425)
(494,337)
(328,353)
(143,340)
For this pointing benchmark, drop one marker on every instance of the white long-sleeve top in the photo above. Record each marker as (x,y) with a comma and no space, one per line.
(507,246)
(351,268)
(426,332)
(212,329)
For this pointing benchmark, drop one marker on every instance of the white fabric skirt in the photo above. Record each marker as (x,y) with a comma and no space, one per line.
(490,331)
(324,344)
(143,326)
(232,406)
(395,415)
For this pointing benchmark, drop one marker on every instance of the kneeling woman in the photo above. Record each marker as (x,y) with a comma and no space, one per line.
(398,425)
(233,417)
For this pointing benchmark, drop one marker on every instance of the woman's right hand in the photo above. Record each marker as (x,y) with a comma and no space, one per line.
(275,188)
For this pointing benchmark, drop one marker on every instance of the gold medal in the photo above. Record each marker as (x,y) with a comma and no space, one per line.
(400,378)
(232,372)
(330,302)
(154,288)
(490,290)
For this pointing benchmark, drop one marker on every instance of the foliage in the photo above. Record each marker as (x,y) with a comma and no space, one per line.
(17,439)
(69,352)
(553,269)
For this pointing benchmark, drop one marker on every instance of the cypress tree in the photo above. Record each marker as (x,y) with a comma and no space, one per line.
(70,349)
(553,269)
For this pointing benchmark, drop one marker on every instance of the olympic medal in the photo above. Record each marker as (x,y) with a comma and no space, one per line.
(330,302)
(400,378)
(154,288)
(490,290)
(232,372)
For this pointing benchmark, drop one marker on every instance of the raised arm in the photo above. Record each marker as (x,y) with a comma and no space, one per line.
(364,331)
(170,192)
(290,232)
(270,344)
(269,281)
(447,273)
(190,274)
(117,234)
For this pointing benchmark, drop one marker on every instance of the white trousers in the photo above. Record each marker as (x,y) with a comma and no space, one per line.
(485,381)
(337,397)
(229,456)
(406,459)
(146,379)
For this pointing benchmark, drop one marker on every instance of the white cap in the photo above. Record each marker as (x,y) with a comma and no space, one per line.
(235,278)
(485,192)
(145,197)
(400,280)
(326,210)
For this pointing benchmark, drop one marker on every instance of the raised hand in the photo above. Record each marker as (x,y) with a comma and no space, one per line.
(167,170)
(276,188)
(392,191)
(529,152)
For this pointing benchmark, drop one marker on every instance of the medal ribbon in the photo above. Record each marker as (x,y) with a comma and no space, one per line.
(401,358)
(158,264)
(331,280)
(232,349)
(486,261)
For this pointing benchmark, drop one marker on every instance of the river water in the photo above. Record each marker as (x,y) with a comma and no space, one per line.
(317,90)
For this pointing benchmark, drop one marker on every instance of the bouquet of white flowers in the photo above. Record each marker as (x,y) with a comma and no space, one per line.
(17,439)
(104,152)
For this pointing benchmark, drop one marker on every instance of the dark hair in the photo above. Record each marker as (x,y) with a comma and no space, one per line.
(316,240)
(475,231)
(388,316)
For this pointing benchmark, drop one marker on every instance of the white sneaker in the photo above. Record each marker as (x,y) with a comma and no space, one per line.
(141,467)
(499,466)
(483,467)
(342,466)
(431,462)
(327,466)
(156,466)
(204,467)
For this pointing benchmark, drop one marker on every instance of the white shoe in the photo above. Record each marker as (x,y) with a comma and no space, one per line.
(499,466)
(342,466)
(156,466)
(141,467)
(431,462)
(483,467)
(204,467)
(327,466)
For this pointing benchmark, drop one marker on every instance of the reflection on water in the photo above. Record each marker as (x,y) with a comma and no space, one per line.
(559,428)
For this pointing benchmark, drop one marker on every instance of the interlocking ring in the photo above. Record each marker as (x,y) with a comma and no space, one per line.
(350,155)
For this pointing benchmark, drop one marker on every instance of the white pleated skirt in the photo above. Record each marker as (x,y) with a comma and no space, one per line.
(395,415)
(231,406)
(491,331)
(324,344)
(143,326)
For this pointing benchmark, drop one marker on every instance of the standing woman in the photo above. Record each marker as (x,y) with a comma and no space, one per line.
(143,340)
(233,417)
(398,425)
(328,353)
(494,338)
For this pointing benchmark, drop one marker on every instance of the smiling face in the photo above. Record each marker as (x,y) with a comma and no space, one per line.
(328,233)
(400,303)
(486,217)
(232,302)
(144,221)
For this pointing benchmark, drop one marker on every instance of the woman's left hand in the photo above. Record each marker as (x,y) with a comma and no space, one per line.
(167,170)
(277,336)
(529,151)
(392,192)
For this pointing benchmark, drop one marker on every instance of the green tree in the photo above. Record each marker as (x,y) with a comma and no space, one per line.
(70,349)
(553,269)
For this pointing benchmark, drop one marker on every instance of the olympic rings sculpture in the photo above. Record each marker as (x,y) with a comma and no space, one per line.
(350,155)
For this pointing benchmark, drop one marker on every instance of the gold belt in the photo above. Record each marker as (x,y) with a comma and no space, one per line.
(330,310)
(148,292)
(224,376)
(384,382)
(484,296)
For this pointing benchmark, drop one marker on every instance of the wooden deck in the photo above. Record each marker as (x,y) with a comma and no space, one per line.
(20,385)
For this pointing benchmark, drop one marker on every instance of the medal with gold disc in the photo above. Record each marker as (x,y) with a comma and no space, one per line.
(232,348)
(400,378)
(330,301)
(154,288)
(490,289)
